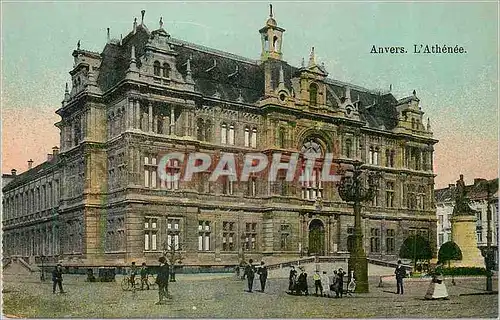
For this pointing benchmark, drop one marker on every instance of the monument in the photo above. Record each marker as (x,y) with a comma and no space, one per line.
(463,229)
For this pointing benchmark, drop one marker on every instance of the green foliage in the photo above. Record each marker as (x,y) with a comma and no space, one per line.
(461,271)
(449,251)
(416,248)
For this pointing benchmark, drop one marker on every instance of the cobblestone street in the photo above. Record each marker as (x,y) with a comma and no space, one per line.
(222,296)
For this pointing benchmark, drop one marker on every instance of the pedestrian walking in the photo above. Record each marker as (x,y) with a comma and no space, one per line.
(250,274)
(57,278)
(162,280)
(400,273)
(292,279)
(317,283)
(144,276)
(262,276)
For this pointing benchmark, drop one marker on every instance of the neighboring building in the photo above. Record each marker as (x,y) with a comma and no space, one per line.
(100,200)
(477,194)
(6,178)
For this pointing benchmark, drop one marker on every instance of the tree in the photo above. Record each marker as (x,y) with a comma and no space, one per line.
(449,251)
(415,248)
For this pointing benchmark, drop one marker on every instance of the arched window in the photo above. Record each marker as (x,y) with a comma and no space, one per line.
(348,148)
(208,130)
(313,94)
(156,68)
(247,137)
(199,130)
(281,137)
(223,133)
(275,42)
(253,140)
(231,135)
(166,70)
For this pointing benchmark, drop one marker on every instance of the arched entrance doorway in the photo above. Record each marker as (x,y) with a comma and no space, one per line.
(316,237)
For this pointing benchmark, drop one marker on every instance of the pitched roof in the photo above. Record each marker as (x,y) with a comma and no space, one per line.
(232,77)
(32,174)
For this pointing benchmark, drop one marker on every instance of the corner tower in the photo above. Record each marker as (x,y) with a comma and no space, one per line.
(272,38)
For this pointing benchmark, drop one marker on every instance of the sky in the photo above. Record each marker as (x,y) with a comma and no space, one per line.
(457,92)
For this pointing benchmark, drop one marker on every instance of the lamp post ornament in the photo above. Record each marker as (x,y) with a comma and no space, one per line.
(351,190)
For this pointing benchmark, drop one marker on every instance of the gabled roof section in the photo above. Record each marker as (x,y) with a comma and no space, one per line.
(32,174)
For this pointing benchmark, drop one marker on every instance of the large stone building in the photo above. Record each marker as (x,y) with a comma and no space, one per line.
(478,200)
(99,200)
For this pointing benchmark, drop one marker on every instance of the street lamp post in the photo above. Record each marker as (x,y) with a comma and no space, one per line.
(351,190)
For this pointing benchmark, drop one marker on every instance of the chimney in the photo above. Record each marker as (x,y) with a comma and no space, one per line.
(13,172)
(55,151)
(50,156)
(30,164)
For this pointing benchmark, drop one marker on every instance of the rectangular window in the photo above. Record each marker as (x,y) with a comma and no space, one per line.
(284,237)
(227,186)
(251,236)
(173,233)
(204,235)
(150,169)
(390,241)
(389,194)
(440,240)
(374,240)
(150,234)
(228,232)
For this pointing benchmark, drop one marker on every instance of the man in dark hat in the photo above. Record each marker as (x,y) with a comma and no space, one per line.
(57,278)
(250,274)
(262,276)
(162,280)
(292,279)
(400,273)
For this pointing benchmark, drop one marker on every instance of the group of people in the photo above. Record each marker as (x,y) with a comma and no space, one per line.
(251,270)
(297,284)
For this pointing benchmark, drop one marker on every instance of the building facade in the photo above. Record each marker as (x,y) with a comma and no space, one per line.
(478,200)
(100,200)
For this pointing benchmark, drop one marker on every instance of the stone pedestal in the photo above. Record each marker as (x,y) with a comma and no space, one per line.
(463,233)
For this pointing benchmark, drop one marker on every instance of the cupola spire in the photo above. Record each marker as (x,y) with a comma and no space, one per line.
(312,58)
(161,22)
(143,12)
(271,37)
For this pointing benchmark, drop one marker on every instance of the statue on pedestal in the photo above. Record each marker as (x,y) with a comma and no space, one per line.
(461,201)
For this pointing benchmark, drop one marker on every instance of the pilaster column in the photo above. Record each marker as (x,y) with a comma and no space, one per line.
(137,115)
(150,117)
(130,114)
(172,120)
(155,123)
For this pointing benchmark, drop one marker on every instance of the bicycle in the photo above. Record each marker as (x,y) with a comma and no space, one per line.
(128,285)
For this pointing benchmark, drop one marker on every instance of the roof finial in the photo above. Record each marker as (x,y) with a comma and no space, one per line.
(108,37)
(143,12)
(161,22)
(428,124)
(414,93)
(135,25)
(390,87)
(312,60)
(121,39)
(67,89)
(270,10)
(303,63)
(78,45)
